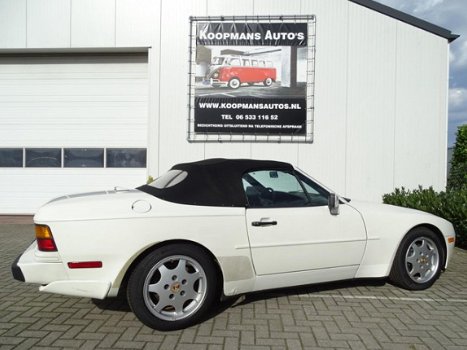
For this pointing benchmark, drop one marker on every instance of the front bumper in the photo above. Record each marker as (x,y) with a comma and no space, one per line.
(213,82)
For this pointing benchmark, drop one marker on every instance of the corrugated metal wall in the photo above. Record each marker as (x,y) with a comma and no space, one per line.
(380,96)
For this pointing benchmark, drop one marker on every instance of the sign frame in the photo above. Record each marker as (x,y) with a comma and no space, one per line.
(306,136)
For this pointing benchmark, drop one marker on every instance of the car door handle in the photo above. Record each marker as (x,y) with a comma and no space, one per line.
(263,223)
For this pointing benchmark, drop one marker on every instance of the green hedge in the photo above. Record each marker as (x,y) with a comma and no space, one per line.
(451,205)
(458,175)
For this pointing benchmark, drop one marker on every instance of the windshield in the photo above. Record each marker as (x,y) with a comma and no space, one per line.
(169,179)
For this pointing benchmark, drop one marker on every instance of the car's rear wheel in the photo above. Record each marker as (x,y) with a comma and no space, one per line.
(418,261)
(173,287)
(234,83)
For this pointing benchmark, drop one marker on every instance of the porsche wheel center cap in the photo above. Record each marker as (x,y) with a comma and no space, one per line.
(175,288)
(423,260)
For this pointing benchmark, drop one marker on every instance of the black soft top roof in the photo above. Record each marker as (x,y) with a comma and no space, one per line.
(213,182)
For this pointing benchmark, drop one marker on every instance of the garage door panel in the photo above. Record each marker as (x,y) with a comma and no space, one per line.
(70,102)
(57,88)
(111,62)
(29,195)
(95,113)
(74,136)
(97,74)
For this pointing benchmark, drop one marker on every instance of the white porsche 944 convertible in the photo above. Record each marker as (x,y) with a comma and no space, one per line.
(223,227)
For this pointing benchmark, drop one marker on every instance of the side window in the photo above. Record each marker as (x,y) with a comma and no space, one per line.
(273,189)
(318,196)
(235,62)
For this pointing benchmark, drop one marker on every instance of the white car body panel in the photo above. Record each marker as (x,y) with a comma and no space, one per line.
(78,288)
(386,226)
(104,227)
(303,277)
(41,268)
(107,220)
(306,239)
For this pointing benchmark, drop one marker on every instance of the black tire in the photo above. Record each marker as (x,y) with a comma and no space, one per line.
(184,285)
(234,83)
(418,261)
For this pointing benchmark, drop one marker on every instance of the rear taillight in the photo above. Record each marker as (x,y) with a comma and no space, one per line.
(44,238)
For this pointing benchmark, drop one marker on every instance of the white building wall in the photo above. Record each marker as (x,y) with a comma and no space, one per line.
(325,158)
(93,23)
(13,24)
(421,106)
(380,96)
(173,77)
(48,23)
(371,88)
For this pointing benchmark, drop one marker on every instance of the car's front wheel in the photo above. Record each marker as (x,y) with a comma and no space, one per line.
(172,287)
(419,260)
(234,83)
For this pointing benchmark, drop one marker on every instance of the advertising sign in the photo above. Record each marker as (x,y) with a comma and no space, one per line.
(251,78)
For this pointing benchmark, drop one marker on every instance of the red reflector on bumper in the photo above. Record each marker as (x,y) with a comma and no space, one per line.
(85,265)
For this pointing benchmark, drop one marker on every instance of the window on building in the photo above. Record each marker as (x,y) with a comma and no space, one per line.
(84,157)
(126,157)
(43,157)
(11,157)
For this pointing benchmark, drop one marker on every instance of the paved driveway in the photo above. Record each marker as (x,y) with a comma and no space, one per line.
(355,315)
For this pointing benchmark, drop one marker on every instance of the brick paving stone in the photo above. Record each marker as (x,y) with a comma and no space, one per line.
(191,347)
(109,340)
(151,346)
(344,315)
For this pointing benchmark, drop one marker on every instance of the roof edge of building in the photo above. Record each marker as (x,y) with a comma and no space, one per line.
(406,18)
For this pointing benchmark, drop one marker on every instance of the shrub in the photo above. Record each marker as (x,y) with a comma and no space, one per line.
(458,175)
(450,205)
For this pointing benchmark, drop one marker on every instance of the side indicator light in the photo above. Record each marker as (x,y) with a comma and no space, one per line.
(85,265)
(451,239)
(44,238)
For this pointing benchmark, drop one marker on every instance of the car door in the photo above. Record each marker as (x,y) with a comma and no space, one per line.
(291,229)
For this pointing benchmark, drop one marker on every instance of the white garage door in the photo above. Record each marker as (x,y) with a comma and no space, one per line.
(70,123)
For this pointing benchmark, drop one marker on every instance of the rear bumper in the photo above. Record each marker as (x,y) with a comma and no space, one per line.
(86,289)
(52,275)
(16,270)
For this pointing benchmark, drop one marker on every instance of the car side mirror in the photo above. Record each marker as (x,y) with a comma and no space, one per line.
(333,204)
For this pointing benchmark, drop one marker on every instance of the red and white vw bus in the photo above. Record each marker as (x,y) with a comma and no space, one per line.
(233,71)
